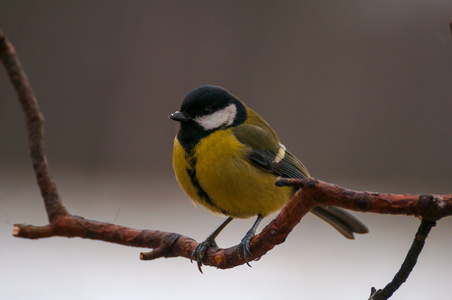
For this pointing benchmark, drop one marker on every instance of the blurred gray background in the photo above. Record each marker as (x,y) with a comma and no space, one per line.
(360,91)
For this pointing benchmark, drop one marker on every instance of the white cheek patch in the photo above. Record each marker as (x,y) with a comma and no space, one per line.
(225,116)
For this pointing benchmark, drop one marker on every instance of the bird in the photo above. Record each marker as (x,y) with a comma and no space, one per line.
(227,158)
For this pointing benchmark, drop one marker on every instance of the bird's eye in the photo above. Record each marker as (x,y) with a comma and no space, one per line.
(206,110)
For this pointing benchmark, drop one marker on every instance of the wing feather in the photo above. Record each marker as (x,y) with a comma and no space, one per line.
(264,149)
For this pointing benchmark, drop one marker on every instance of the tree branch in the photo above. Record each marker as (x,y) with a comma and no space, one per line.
(35,127)
(428,207)
(167,244)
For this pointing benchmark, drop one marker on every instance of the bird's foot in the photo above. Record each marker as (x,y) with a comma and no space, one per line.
(201,249)
(244,246)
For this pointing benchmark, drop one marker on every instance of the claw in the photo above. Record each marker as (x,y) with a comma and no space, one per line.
(245,246)
(245,243)
(200,251)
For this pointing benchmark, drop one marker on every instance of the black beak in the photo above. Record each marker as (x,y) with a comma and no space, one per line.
(179,116)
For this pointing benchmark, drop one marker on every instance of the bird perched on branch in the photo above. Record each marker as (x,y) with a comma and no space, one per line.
(227,158)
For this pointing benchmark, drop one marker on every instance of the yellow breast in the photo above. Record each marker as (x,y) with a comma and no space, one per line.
(218,176)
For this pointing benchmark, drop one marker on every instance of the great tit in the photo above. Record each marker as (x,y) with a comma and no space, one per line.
(227,159)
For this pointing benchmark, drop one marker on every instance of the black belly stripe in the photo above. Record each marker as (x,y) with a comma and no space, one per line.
(191,170)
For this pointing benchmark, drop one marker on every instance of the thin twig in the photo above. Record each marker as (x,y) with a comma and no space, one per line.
(408,264)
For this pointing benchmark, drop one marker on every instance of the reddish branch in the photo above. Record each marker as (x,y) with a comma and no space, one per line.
(35,127)
(312,192)
(167,244)
(428,207)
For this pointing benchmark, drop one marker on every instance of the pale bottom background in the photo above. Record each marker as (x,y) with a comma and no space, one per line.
(314,263)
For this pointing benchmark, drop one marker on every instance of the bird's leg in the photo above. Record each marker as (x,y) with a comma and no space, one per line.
(201,248)
(245,243)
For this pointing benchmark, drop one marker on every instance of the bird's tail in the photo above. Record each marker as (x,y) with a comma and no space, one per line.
(343,221)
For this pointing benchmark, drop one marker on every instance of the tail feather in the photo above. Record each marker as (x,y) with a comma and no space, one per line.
(341,220)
